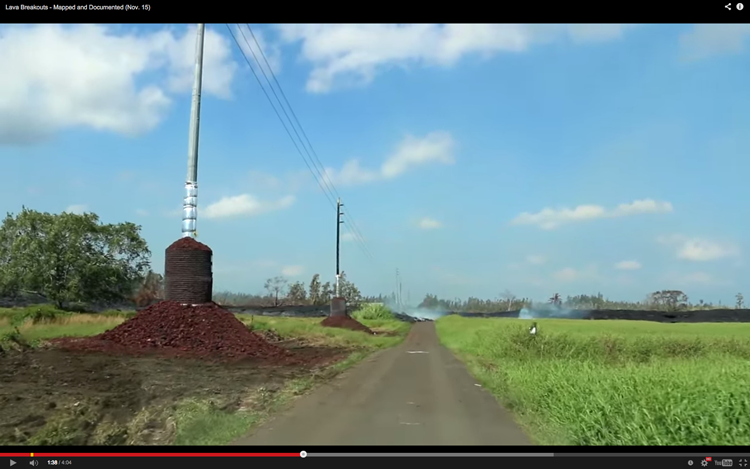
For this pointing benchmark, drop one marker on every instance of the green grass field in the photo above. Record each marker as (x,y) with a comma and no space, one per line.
(613,382)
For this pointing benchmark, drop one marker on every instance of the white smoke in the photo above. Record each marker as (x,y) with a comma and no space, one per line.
(417,312)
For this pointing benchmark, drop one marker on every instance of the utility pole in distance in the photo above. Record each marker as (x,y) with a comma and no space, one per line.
(338,304)
(398,290)
(339,221)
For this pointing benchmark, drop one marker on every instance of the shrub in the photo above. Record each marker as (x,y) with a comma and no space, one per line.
(373,311)
(38,314)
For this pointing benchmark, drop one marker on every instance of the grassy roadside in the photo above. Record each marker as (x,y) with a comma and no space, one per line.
(613,382)
(203,420)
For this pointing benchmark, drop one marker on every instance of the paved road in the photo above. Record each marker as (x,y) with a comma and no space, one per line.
(415,394)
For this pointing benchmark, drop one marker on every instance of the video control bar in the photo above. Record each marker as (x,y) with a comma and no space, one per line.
(240,460)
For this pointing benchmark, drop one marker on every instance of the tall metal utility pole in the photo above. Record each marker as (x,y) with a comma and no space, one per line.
(339,221)
(190,202)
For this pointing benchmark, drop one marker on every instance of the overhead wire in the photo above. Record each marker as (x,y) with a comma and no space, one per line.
(326,186)
(321,169)
(274,107)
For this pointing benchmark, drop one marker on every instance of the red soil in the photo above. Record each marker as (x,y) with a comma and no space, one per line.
(204,331)
(345,322)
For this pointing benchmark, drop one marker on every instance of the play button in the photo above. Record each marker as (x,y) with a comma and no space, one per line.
(12,462)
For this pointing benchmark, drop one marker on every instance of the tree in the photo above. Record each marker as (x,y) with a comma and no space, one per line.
(670,300)
(740,301)
(556,300)
(349,291)
(151,288)
(297,294)
(71,258)
(326,293)
(315,290)
(509,297)
(276,287)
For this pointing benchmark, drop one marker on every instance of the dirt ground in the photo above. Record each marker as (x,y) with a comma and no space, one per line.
(54,397)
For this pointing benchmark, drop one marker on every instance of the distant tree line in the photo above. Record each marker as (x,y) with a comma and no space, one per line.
(280,292)
(663,300)
(72,259)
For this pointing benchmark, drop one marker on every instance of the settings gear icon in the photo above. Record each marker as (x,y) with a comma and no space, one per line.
(704,463)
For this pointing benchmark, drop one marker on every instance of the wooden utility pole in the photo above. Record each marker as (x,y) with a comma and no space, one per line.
(339,221)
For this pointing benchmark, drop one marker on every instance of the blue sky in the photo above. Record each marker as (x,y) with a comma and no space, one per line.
(474,158)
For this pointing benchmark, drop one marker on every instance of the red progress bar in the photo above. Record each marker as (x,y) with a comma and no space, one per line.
(150,455)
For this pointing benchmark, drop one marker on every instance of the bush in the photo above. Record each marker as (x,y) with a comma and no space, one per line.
(38,314)
(373,312)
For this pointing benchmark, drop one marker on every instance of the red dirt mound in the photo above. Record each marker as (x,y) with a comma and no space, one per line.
(188,244)
(203,331)
(345,322)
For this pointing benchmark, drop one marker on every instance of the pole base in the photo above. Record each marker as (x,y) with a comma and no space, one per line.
(338,307)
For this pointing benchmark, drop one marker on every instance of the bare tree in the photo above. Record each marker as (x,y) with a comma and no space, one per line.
(326,293)
(315,290)
(276,288)
(509,297)
(740,301)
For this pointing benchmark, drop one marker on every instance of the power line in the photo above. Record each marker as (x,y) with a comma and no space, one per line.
(354,231)
(325,186)
(312,155)
(274,107)
(321,169)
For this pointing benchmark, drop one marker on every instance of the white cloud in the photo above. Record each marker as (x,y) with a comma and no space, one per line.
(708,40)
(429,224)
(347,237)
(261,179)
(678,280)
(290,183)
(353,54)
(536,259)
(699,249)
(567,274)
(412,152)
(698,277)
(628,265)
(292,270)
(77,209)
(570,274)
(245,205)
(141,212)
(549,218)
(105,78)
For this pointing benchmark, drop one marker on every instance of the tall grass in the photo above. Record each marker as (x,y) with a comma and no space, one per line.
(613,382)
(372,311)
(314,334)
(41,322)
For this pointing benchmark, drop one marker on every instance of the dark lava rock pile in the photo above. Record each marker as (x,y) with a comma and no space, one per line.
(188,244)
(346,322)
(168,327)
